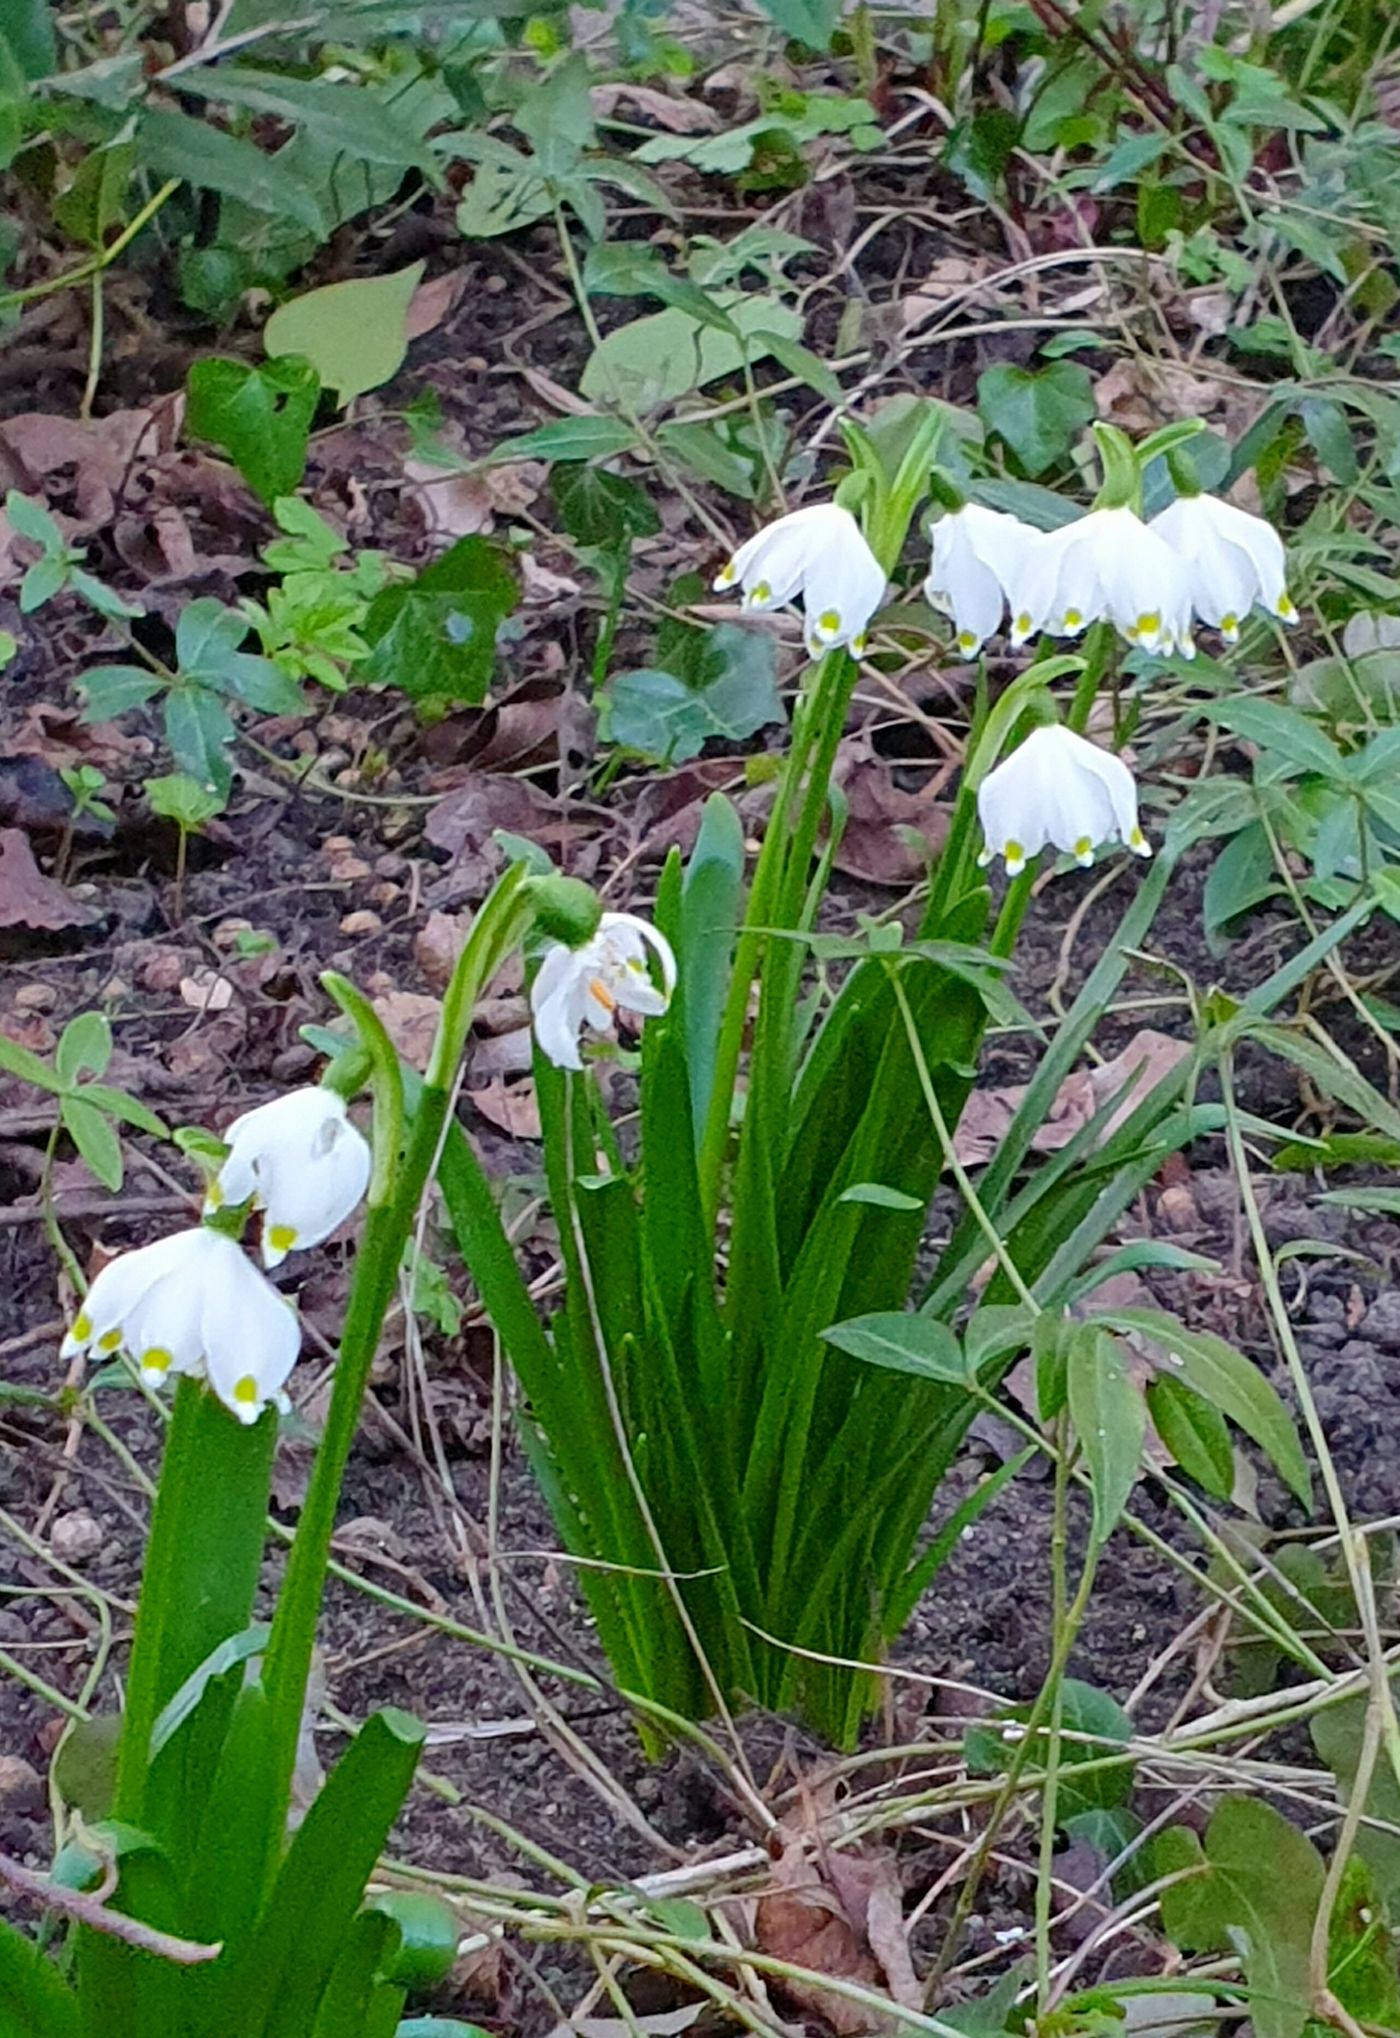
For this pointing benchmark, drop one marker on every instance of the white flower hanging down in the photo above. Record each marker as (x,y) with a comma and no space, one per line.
(977,558)
(819,553)
(1106,564)
(1057,788)
(302,1163)
(586,986)
(194,1304)
(1232,561)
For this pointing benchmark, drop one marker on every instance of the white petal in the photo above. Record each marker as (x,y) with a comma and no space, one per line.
(251,1336)
(118,1289)
(977,556)
(647,936)
(1057,788)
(556,1028)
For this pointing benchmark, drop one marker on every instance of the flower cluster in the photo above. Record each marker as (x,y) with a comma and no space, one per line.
(1200,560)
(194,1303)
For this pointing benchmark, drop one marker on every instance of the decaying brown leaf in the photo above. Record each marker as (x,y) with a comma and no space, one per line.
(840,1915)
(27,897)
(513,1107)
(410,1020)
(1147,1058)
(889,834)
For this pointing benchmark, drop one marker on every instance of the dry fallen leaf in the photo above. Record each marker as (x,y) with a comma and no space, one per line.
(411,1022)
(844,1917)
(456,505)
(27,897)
(1143,1063)
(889,833)
(432,302)
(513,1107)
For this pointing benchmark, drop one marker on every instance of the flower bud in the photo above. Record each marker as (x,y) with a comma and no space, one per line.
(566,909)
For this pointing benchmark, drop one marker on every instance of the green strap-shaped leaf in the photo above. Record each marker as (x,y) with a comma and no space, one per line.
(321,1884)
(35,2001)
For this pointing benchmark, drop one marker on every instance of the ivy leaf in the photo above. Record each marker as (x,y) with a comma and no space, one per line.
(260,416)
(354,334)
(728,691)
(1256,1887)
(435,639)
(599,508)
(1038,413)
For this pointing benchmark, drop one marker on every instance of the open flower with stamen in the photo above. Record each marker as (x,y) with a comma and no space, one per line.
(301,1162)
(1106,564)
(194,1303)
(977,557)
(820,554)
(1057,788)
(587,986)
(1232,561)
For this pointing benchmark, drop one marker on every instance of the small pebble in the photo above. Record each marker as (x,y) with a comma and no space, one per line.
(75,1537)
(21,1785)
(362,923)
(35,998)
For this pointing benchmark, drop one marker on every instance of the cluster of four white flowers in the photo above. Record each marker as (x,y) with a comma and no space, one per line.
(1199,560)
(195,1304)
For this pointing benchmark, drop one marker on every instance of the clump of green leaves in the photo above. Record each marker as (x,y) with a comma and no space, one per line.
(88,1109)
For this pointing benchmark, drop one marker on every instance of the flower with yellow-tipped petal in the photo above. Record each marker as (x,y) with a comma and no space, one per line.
(820,554)
(1057,788)
(977,557)
(588,985)
(1107,564)
(1232,561)
(301,1162)
(193,1303)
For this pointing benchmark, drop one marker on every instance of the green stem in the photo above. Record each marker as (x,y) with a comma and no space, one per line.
(498,928)
(14,298)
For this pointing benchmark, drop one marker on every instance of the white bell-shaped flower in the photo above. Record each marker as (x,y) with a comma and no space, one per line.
(578,987)
(1232,560)
(301,1162)
(1057,788)
(1106,564)
(194,1303)
(819,553)
(977,555)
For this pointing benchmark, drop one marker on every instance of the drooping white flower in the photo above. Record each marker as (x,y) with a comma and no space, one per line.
(977,555)
(1057,788)
(1106,564)
(1232,559)
(193,1303)
(302,1163)
(578,987)
(819,553)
